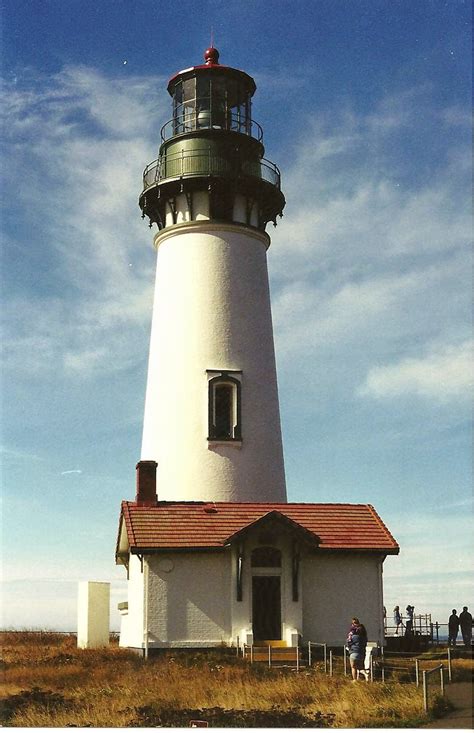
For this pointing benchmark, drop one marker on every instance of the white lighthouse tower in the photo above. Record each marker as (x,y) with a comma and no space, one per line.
(212,421)
(214,553)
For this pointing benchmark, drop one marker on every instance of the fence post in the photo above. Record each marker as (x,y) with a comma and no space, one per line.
(371,668)
(437,632)
(238,644)
(297,659)
(269,656)
(441,679)
(330,662)
(325,649)
(450,671)
(345,660)
(309,654)
(251,654)
(417,672)
(425,691)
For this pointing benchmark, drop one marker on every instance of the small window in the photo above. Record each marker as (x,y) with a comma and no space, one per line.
(224,408)
(266,557)
(221,203)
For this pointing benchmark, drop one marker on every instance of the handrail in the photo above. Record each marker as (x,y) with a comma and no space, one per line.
(194,122)
(325,652)
(202,162)
(426,673)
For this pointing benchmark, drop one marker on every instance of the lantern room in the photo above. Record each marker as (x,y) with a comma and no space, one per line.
(212,97)
(210,163)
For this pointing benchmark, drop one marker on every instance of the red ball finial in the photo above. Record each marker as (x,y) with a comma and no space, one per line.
(211,55)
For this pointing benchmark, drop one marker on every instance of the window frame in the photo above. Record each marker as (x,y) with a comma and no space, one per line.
(225,378)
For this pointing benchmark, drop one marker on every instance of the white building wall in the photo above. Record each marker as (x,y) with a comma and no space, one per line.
(132,622)
(192,597)
(93,614)
(188,599)
(336,587)
(212,312)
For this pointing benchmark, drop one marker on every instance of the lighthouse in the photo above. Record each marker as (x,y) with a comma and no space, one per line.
(215,555)
(212,421)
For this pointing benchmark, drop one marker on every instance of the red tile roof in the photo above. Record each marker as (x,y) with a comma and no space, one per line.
(192,525)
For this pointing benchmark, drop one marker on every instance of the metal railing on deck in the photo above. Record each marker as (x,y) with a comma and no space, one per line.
(195,122)
(203,162)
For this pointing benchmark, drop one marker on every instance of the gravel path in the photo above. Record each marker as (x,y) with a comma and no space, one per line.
(461,695)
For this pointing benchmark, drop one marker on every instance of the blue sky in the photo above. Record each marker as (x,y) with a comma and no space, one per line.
(366,109)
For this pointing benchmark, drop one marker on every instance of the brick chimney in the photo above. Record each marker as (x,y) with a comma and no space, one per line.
(146,483)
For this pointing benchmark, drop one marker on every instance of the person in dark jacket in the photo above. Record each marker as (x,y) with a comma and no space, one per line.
(356,643)
(453,628)
(397,619)
(465,621)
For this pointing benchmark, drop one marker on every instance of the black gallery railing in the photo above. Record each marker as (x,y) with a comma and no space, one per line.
(204,162)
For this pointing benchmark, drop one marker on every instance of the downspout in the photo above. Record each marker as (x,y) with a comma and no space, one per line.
(145,610)
(381,603)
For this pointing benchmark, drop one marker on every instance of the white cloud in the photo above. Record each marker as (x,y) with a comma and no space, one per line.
(370,263)
(18,455)
(82,140)
(439,375)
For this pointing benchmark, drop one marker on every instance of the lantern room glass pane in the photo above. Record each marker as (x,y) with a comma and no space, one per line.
(178,110)
(218,102)
(189,89)
(203,101)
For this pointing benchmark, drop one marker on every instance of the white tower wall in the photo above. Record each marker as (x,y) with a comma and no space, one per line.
(212,312)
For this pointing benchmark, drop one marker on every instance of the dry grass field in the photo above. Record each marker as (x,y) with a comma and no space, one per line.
(48,682)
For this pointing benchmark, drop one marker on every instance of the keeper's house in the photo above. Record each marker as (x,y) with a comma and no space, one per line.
(206,574)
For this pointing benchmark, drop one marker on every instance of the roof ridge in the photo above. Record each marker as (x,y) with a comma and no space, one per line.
(164,502)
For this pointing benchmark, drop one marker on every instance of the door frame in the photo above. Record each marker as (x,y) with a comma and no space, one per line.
(265,573)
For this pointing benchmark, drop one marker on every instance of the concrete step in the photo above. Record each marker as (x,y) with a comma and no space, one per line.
(286,655)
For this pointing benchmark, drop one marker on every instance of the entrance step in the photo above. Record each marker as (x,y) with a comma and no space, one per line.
(271,642)
(278,655)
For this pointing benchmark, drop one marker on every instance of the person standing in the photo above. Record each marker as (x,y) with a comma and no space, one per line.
(453,628)
(356,643)
(409,623)
(465,621)
(397,619)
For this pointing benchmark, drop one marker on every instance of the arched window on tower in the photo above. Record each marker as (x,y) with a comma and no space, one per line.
(224,407)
